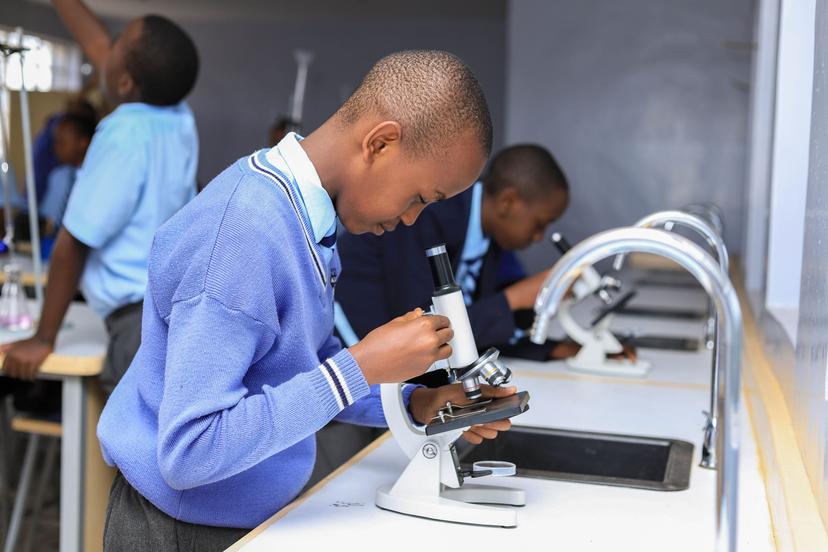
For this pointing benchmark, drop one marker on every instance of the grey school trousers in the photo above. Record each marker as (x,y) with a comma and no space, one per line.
(124,329)
(134,524)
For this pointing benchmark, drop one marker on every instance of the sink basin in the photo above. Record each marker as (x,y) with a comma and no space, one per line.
(584,457)
(669,282)
(661,312)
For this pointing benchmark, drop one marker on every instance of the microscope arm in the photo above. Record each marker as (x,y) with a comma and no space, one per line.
(614,307)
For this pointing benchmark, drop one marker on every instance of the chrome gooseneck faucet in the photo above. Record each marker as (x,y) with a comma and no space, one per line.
(708,273)
(668,219)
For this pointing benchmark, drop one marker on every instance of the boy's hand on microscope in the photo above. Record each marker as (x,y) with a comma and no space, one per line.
(403,348)
(426,401)
(522,294)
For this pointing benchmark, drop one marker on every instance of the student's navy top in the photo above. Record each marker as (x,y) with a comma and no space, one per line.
(44,159)
(214,421)
(386,276)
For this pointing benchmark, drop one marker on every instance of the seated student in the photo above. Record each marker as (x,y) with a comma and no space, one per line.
(523,191)
(212,427)
(139,170)
(72,136)
(44,156)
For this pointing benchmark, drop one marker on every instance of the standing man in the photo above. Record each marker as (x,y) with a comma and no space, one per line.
(139,170)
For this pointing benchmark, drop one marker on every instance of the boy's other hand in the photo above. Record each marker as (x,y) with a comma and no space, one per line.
(403,348)
(426,401)
(567,349)
(24,358)
(564,349)
(522,294)
(628,353)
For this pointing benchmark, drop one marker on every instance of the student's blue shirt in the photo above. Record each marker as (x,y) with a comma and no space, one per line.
(475,247)
(56,197)
(139,170)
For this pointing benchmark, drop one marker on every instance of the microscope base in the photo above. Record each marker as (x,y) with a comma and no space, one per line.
(611,367)
(486,494)
(447,509)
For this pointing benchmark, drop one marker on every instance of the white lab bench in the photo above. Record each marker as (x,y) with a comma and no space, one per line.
(340,512)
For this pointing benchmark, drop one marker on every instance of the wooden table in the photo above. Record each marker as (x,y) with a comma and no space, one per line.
(84,477)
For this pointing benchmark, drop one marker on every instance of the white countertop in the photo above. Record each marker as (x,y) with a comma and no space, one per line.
(560,515)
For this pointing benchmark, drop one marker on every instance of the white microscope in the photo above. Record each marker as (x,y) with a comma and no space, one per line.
(432,485)
(596,340)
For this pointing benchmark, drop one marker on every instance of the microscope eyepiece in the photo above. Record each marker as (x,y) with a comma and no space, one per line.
(441,271)
(559,241)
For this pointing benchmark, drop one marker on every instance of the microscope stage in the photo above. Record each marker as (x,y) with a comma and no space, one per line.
(482,412)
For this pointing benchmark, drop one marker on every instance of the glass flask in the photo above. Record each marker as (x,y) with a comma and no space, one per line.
(14,310)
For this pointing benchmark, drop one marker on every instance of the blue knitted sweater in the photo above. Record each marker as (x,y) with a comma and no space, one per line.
(214,421)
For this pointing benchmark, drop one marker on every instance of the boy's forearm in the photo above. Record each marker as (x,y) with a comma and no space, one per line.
(86,28)
(68,260)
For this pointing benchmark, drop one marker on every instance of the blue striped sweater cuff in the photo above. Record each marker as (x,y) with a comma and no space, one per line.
(407,390)
(340,381)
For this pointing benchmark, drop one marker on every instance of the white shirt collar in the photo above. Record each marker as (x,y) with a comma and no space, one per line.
(317,202)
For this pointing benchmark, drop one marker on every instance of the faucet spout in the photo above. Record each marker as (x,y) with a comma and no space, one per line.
(689,220)
(668,219)
(717,285)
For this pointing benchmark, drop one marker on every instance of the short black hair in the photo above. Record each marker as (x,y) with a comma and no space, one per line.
(431,93)
(528,168)
(163,62)
(83,124)
(81,106)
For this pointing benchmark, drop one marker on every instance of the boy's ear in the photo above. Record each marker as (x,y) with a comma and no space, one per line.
(505,201)
(126,86)
(379,139)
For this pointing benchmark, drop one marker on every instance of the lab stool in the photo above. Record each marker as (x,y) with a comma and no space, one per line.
(36,428)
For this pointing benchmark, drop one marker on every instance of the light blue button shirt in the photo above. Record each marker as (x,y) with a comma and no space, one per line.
(316,202)
(474,248)
(139,170)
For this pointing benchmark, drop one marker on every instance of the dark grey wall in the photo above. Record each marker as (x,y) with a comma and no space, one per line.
(643,102)
(248,70)
(35,17)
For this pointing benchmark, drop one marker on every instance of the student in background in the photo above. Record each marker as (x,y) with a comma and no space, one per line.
(44,157)
(72,136)
(522,193)
(139,170)
(212,428)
